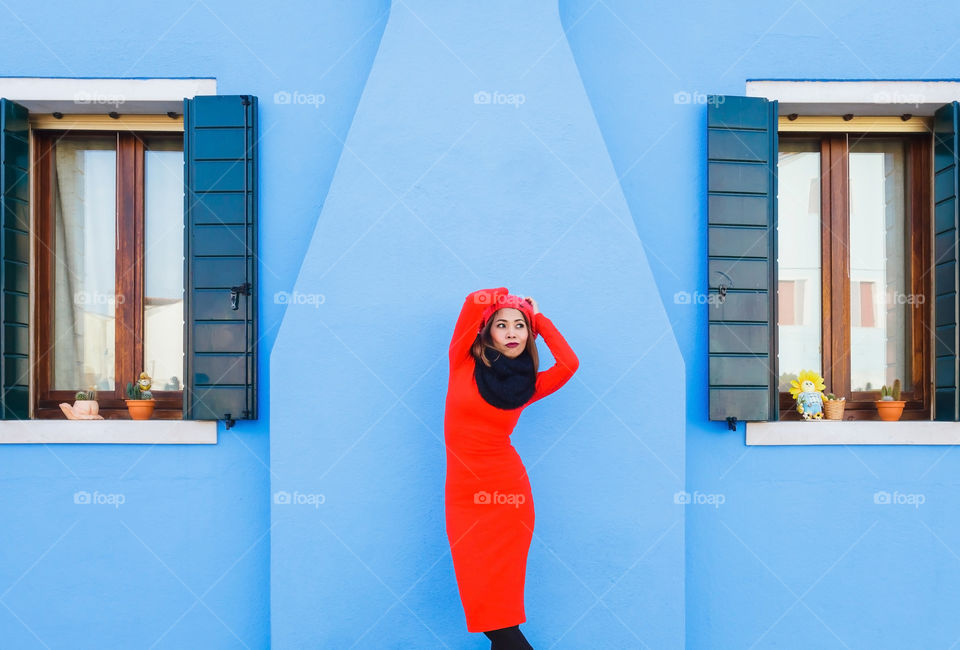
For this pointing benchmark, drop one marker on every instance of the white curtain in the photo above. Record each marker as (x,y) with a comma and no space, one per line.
(84,259)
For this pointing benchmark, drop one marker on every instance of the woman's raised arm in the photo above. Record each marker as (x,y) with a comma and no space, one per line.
(465,331)
(566,362)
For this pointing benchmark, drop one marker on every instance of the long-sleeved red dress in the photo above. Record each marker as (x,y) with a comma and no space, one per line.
(488,503)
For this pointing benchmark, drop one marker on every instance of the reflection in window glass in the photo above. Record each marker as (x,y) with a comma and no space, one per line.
(163,263)
(879,274)
(798,259)
(84,301)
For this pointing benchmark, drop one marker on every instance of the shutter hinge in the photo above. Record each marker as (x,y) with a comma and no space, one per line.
(732,423)
(229,421)
(235,293)
(245,100)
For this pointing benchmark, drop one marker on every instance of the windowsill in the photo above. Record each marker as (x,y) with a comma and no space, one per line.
(853,432)
(127,432)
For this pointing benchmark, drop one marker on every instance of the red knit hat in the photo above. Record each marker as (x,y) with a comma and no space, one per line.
(510,301)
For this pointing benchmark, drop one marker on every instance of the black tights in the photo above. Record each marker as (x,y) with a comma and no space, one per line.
(508,638)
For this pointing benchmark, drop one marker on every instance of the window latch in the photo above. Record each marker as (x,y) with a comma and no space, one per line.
(235,293)
(722,285)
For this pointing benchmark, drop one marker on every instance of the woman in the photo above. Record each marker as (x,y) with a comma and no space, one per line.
(489,508)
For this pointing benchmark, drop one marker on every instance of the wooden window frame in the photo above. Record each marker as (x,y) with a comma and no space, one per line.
(129,278)
(835,274)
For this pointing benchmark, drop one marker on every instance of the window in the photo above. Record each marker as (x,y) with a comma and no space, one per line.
(128,242)
(798,263)
(109,266)
(853,227)
(832,244)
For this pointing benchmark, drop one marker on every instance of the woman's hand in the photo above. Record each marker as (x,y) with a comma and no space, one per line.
(533,303)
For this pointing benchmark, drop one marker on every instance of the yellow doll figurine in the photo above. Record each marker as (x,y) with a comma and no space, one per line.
(808,389)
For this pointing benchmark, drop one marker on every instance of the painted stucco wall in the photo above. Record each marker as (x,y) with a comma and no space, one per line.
(474,161)
(434,192)
(183,562)
(798,555)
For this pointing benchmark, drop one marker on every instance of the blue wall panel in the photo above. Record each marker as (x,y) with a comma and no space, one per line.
(596,182)
(195,519)
(474,161)
(796,521)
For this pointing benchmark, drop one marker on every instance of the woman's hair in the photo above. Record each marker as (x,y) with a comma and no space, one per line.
(484,341)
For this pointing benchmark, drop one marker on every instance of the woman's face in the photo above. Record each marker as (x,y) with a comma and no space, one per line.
(509,332)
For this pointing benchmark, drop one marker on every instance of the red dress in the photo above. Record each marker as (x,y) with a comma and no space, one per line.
(488,504)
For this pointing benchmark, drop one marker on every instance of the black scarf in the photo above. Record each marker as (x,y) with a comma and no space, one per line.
(507,383)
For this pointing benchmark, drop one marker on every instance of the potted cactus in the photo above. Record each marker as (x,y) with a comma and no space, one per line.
(890,406)
(85,402)
(84,407)
(140,400)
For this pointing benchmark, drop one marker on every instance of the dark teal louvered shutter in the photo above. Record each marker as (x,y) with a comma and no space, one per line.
(220,265)
(945,194)
(15,254)
(741,250)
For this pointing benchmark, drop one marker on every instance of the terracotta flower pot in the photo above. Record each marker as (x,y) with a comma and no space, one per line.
(140,409)
(889,410)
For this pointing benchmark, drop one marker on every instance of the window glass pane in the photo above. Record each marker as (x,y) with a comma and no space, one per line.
(84,187)
(163,263)
(879,266)
(798,259)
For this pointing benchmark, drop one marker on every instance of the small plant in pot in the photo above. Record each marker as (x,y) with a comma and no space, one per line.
(140,400)
(833,406)
(890,406)
(85,406)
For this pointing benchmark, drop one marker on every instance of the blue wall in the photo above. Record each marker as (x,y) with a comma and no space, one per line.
(440,192)
(798,555)
(195,519)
